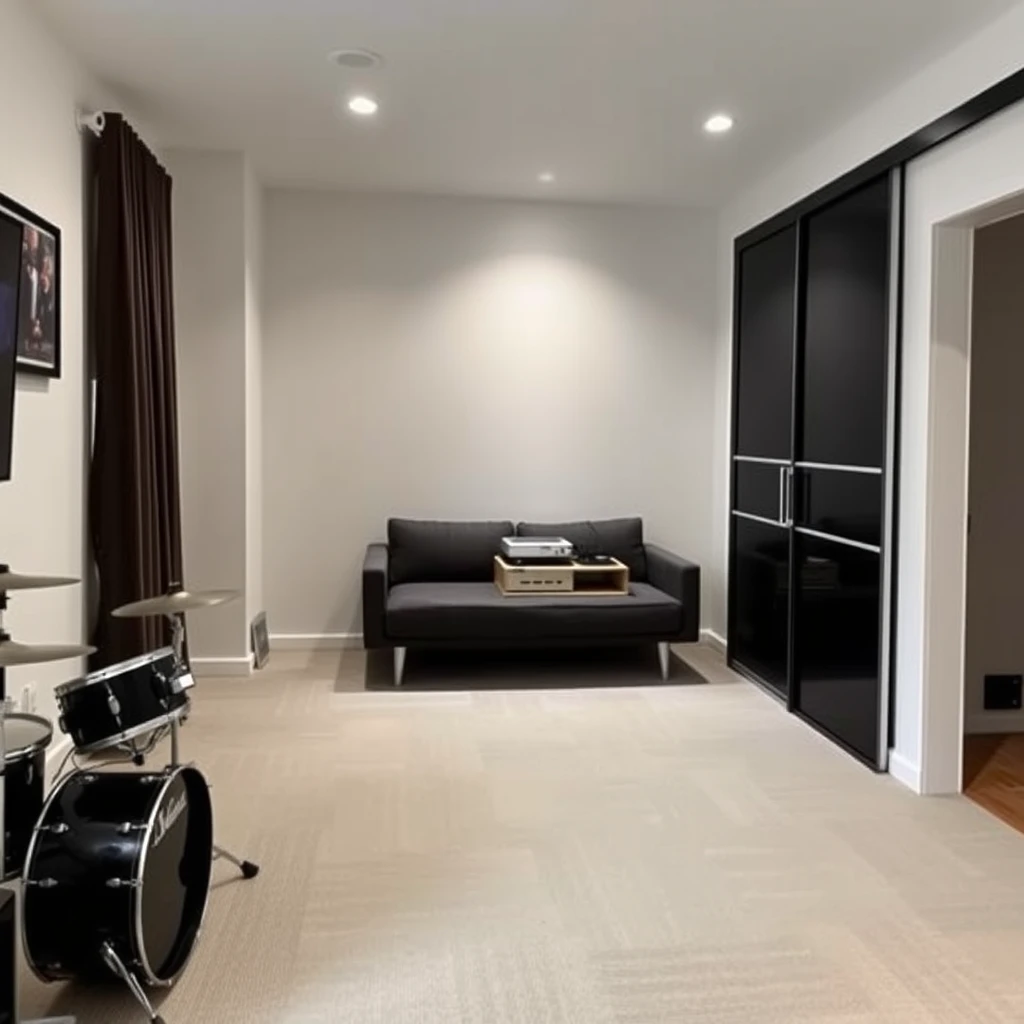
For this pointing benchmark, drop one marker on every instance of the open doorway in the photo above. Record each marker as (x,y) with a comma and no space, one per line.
(993,755)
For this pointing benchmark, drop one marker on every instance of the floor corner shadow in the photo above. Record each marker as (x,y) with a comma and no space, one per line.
(554,669)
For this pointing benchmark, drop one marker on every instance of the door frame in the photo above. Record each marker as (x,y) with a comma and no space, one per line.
(973,181)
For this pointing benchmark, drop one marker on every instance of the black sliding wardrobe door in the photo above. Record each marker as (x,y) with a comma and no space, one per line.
(812,365)
(760,611)
(841,433)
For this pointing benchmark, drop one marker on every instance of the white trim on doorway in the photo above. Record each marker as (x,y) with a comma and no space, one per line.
(971,181)
(903,771)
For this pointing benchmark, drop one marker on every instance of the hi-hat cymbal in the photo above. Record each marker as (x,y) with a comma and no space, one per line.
(21,581)
(12,653)
(172,604)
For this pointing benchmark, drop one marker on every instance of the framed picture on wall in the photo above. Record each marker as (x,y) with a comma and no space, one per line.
(38,293)
(260,640)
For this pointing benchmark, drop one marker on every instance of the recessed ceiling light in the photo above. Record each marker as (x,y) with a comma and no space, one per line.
(356,60)
(546,177)
(718,123)
(364,106)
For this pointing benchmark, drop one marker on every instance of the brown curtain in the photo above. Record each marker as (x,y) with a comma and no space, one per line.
(134,501)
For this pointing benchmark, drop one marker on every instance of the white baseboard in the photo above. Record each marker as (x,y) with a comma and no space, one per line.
(989,722)
(905,771)
(315,641)
(713,639)
(221,667)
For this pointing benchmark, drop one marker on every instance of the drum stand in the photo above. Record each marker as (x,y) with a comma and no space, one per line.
(246,867)
(117,967)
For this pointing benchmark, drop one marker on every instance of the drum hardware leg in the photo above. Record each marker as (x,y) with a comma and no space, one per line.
(248,869)
(52,1020)
(177,621)
(175,751)
(114,962)
(3,757)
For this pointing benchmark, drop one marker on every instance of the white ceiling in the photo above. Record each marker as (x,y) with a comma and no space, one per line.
(478,96)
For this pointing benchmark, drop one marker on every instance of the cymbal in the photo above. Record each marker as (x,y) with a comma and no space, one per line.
(172,604)
(20,581)
(13,653)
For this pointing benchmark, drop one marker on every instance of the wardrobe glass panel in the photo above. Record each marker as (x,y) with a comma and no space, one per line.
(846,330)
(843,504)
(759,637)
(838,609)
(767,289)
(759,490)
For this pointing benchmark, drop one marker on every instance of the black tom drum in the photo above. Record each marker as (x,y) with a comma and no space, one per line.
(26,738)
(123,701)
(119,858)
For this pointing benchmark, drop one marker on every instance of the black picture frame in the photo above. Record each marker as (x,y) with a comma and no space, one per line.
(260,640)
(38,355)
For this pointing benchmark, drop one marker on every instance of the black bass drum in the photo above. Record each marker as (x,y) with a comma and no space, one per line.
(26,738)
(118,858)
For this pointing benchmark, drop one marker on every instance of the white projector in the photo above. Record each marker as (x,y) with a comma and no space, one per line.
(535,548)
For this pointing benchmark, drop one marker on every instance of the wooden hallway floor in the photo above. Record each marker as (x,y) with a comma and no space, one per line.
(994,775)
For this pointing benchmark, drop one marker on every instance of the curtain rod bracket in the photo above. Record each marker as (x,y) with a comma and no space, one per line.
(91,121)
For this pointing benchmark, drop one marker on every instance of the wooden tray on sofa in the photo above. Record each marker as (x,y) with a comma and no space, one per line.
(566,579)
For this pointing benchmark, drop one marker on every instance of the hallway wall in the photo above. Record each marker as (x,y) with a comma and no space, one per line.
(995,554)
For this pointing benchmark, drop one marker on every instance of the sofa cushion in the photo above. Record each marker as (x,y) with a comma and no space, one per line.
(423,552)
(621,538)
(479,612)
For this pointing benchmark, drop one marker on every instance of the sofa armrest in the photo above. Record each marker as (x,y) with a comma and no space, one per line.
(375,596)
(681,579)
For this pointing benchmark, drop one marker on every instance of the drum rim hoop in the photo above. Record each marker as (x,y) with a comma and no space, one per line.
(140,873)
(111,671)
(130,734)
(14,754)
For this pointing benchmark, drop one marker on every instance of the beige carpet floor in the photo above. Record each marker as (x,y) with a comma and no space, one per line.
(681,854)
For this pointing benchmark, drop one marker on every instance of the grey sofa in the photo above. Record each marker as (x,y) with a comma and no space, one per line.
(431,585)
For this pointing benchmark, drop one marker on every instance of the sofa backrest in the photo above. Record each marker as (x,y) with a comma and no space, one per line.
(423,551)
(621,538)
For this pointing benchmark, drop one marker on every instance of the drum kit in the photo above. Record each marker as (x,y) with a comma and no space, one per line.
(115,864)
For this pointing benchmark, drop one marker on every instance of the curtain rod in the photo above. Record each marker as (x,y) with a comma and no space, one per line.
(91,121)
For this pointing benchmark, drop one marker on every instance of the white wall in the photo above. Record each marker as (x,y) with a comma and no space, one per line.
(470,359)
(218,237)
(42,515)
(210,282)
(995,552)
